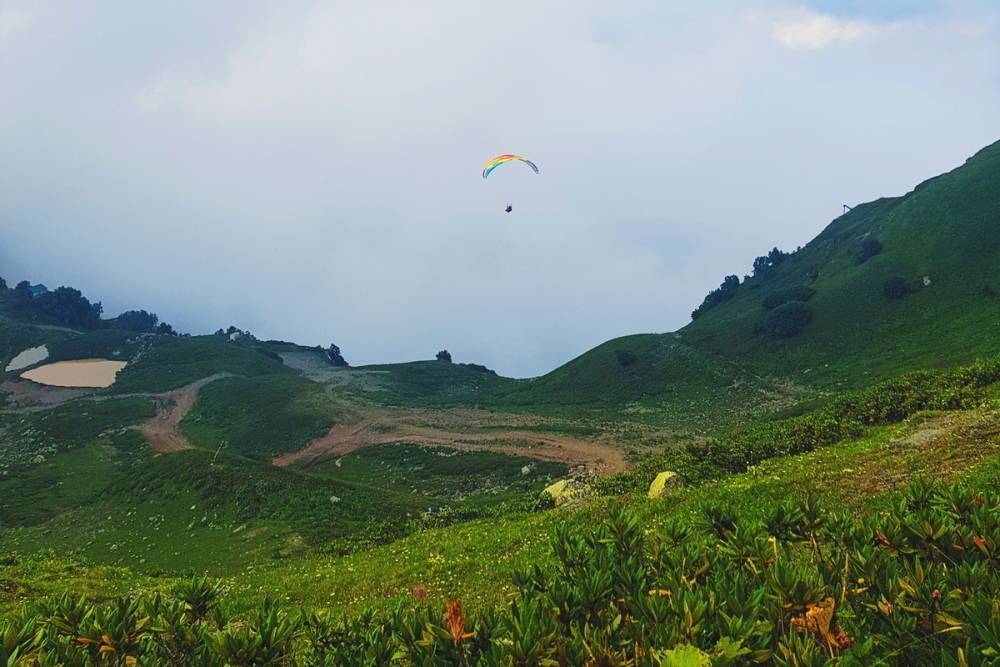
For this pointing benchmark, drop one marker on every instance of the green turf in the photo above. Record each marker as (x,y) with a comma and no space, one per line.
(170,362)
(15,337)
(261,416)
(947,229)
(441,473)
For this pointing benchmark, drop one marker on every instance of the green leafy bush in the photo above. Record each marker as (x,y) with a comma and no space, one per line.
(896,288)
(845,417)
(787,320)
(721,294)
(775,299)
(804,586)
(625,358)
(869,248)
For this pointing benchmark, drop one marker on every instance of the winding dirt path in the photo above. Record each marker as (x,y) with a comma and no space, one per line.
(342,439)
(171,408)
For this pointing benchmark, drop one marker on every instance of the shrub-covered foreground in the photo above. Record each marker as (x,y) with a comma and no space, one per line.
(918,584)
(847,416)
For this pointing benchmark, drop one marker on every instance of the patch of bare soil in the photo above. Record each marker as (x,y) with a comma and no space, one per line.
(25,395)
(171,408)
(458,433)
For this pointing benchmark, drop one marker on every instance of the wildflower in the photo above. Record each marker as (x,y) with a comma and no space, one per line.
(455,623)
(819,622)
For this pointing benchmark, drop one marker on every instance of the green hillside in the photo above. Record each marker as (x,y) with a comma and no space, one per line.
(947,230)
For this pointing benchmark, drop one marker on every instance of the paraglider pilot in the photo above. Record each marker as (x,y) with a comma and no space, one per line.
(509,208)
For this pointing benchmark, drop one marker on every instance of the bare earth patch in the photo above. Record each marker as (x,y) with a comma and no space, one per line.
(24,394)
(417,428)
(171,408)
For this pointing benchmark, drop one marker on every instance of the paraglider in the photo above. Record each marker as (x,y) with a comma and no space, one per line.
(501,159)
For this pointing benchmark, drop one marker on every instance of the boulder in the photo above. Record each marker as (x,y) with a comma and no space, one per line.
(565,491)
(663,482)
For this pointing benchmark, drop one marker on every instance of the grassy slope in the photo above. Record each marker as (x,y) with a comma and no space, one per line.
(170,362)
(260,417)
(473,560)
(18,336)
(435,384)
(947,229)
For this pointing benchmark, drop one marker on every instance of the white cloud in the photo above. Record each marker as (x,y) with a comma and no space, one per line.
(13,20)
(807,30)
(316,162)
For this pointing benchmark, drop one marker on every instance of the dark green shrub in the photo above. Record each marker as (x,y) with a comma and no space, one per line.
(625,358)
(845,417)
(896,288)
(787,320)
(915,585)
(63,306)
(775,299)
(335,357)
(869,248)
(763,265)
(444,355)
(723,293)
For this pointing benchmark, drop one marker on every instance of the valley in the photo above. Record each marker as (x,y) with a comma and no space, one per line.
(834,417)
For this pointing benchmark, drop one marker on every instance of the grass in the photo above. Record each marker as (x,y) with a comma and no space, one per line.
(440,473)
(27,436)
(170,362)
(261,416)
(435,384)
(941,230)
(60,484)
(15,337)
(474,559)
(100,495)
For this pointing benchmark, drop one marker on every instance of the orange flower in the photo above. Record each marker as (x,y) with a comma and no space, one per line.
(455,623)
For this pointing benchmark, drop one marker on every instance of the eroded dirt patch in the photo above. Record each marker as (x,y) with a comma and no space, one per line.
(456,432)
(25,395)
(171,407)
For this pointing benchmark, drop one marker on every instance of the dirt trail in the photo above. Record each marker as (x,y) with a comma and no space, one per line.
(171,407)
(343,439)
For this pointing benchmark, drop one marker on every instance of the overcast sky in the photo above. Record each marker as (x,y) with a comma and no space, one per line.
(311,170)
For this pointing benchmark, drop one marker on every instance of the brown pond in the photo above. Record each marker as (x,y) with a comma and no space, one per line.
(79,373)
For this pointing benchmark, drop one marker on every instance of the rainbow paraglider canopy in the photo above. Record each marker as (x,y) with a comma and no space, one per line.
(501,159)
